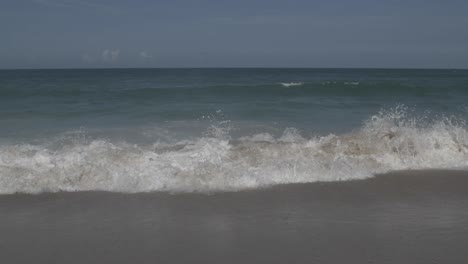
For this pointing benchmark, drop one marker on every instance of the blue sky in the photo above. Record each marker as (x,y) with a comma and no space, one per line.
(221,33)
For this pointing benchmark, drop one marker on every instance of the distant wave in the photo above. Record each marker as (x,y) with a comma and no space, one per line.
(351,83)
(216,162)
(163,93)
(292,84)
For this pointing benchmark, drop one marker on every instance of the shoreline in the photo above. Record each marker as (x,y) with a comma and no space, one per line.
(390,178)
(400,217)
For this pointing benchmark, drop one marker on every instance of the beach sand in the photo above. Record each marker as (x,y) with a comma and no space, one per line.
(401,217)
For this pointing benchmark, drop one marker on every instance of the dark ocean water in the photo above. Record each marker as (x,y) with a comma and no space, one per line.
(135,130)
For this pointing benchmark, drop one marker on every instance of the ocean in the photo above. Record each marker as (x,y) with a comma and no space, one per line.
(210,130)
(233,166)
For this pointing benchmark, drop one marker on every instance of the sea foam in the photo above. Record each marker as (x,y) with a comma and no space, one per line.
(292,84)
(216,162)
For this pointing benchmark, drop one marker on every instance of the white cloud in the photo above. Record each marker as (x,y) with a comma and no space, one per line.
(110,56)
(93,6)
(70,3)
(145,55)
(86,58)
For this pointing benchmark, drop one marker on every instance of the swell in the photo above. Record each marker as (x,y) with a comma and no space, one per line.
(215,161)
(325,88)
(353,88)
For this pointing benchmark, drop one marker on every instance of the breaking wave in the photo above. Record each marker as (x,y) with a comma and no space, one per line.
(292,84)
(216,162)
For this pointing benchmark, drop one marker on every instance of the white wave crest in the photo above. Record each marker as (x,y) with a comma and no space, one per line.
(292,84)
(215,162)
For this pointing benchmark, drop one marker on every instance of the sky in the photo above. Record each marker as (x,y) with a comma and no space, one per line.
(233,33)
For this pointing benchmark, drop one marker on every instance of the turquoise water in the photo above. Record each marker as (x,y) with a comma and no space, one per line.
(329,100)
(175,116)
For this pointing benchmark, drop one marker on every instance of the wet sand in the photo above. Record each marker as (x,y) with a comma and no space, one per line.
(402,217)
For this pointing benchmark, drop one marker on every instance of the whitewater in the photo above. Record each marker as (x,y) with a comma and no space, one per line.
(214,162)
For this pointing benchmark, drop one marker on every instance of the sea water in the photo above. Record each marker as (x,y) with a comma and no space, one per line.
(210,130)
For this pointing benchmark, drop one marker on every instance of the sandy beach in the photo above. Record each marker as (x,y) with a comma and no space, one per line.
(401,217)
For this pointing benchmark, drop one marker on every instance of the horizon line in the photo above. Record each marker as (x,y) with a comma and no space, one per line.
(214,68)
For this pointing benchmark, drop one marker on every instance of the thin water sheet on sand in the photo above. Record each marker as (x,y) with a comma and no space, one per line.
(402,217)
